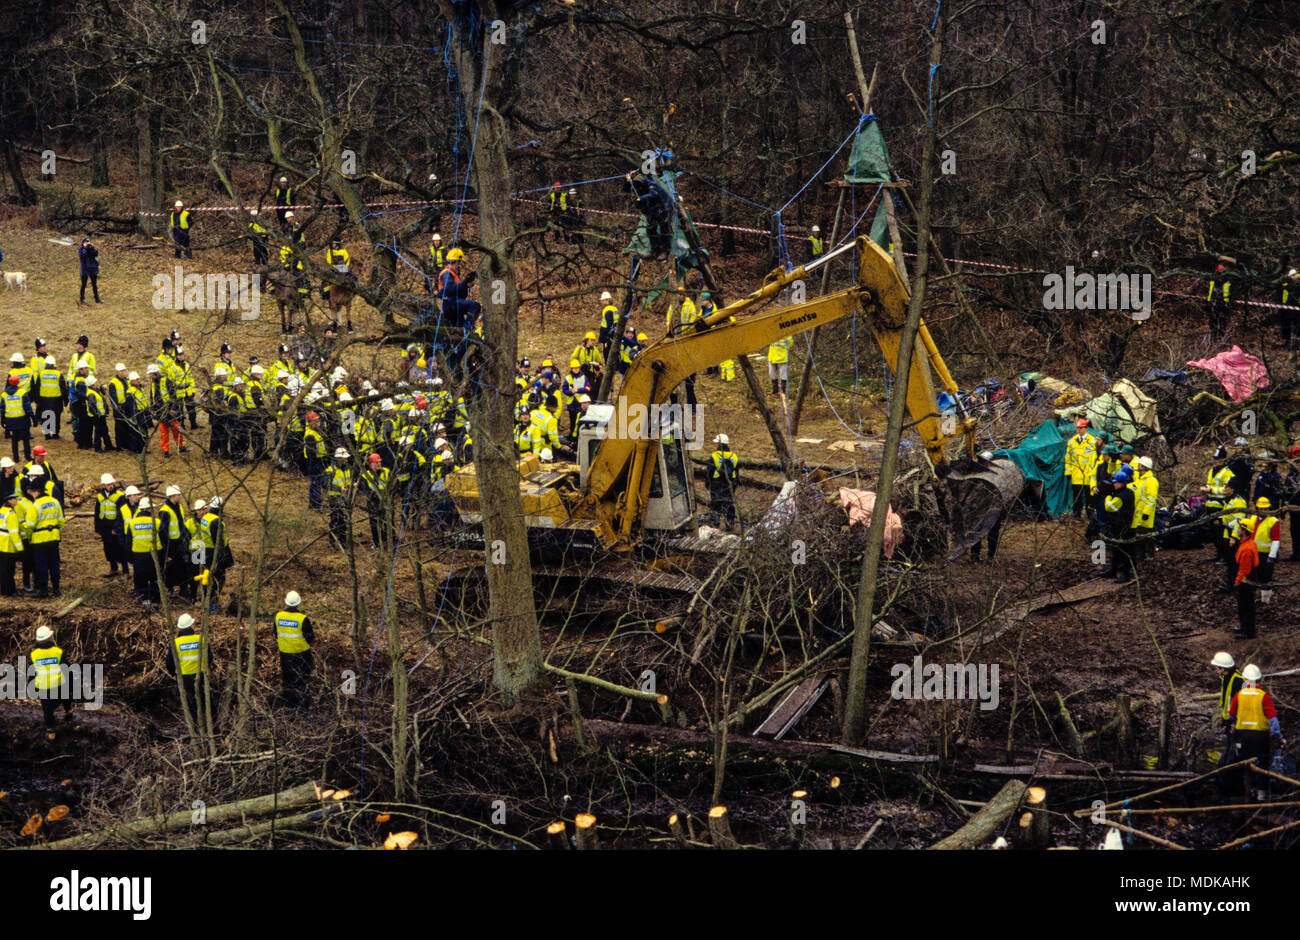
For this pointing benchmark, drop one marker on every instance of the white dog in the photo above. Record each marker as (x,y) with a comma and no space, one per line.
(15,279)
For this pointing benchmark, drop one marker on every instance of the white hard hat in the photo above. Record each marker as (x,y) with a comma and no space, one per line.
(1145,463)
(5,463)
(546,454)
(236,379)
(440,443)
(584,399)
(435,382)
(184,622)
(284,179)
(406,440)
(215,502)
(252,212)
(1251,673)
(16,357)
(572,191)
(36,470)
(144,502)
(311,397)
(105,479)
(1223,660)
(292,599)
(722,439)
(43,634)
(1293,273)
(340,453)
(605,295)
(91,380)
(387,405)
(133,376)
(178,204)
(816,228)
(366,386)
(152,369)
(49,361)
(256,370)
(120,367)
(173,490)
(220,371)
(345,396)
(289,214)
(132,490)
(199,504)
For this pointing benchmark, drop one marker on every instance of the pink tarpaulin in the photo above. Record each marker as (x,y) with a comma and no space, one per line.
(861,504)
(1241,373)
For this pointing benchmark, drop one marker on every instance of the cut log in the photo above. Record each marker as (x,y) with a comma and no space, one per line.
(981,827)
(285,824)
(216,815)
(584,826)
(1036,829)
(555,836)
(720,829)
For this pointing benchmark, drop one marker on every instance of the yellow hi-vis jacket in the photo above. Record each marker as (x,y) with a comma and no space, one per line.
(1146,493)
(1081,460)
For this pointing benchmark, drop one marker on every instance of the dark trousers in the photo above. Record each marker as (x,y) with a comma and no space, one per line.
(995,533)
(1259,745)
(1246,609)
(219,436)
(99,430)
(295,671)
(94,284)
(187,409)
(339,520)
(125,435)
(1079,498)
(315,490)
(181,238)
(80,425)
(45,556)
(22,436)
(190,689)
(723,505)
(8,566)
(29,565)
(1219,313)
(146,577)
(48,707)
(112,550)
(52,406)
(177,570)
(259,251)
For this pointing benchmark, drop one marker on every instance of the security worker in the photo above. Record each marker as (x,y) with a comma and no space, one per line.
(237,435)
(816,246)
(1146,495)
(1117,526)
(294,636)
(453,291)
(340,497)
(778,365)
(97,416)
(723,476)
(1230,682)
(545,428)
(145,544)
(314,459)
(51,393)
(47,660)
(557,201)
(375,479)
(572,217)
(180,224)
(19,413)
(20,371)
(681,315)
(1287,294)
(1219,303)
(189,656)
(1215,489)
(47,530)
(283,199)
(258,233)
(589,357)
(1080,465)
(162,409)
(217,557)
(437,254)
(11,542)
(337,257)
(41,459)
(608,319)
(108,523)
(183,388)
(575,384)
(175,537)
(1268,540)
(1253,718)
(523,431)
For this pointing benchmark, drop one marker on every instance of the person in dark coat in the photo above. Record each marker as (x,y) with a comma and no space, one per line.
(89,256)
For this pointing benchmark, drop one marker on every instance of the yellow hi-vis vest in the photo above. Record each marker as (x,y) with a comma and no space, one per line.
(46,660)
(15,405)
(49,520)
(1146,493)
(288,632)
(1081,459)
(50,386)
(1265,534)
(144,534)
(188,653)
(11,531)
(107,505)
(180,219)
(1225,692)
(1250,709)
(779,352)
(1216,482)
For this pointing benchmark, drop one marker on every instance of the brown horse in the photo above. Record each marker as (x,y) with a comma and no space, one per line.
(285,290)
(340,298)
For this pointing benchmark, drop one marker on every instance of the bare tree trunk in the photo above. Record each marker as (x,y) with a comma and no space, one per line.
(26,195)
(146,172)
(99,160)
(516,640)
(856,700)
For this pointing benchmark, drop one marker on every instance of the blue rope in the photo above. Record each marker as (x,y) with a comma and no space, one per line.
(936,14)
(473,144)
(852,134)
(933,69)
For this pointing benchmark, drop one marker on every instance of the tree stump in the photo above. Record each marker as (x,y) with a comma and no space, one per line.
(1035,825)
(555,836)
(678,829)
(720,829)
(584,826)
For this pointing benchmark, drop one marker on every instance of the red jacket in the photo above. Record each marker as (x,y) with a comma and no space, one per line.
(1247,557)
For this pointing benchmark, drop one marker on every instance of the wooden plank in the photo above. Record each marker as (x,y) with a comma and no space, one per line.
(793,707)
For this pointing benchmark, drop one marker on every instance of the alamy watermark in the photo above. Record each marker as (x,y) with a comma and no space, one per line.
(181,291)
(82,682)
(1084,291)
(637,422)
(950,681)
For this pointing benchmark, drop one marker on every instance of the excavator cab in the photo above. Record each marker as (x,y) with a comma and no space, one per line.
(670,504)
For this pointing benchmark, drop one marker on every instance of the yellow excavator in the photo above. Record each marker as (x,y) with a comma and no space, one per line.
(632,480)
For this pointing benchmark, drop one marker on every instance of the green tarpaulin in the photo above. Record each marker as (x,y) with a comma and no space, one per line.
(1041,458)
(869,163)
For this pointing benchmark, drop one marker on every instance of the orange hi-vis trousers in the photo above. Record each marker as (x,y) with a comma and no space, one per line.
(175,431)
